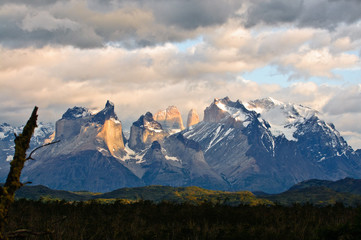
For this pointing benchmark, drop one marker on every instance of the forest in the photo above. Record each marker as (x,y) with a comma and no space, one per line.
(143,219)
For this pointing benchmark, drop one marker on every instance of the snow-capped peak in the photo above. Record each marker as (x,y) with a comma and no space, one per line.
(282,117)
(5,130)
(235,113)
(43,130)
(223,110)
(75,113)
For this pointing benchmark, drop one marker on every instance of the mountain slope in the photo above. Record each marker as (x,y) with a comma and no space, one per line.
(348,185)
(43,133)
(268,145)
(262,145)
(320,192)
(87,156)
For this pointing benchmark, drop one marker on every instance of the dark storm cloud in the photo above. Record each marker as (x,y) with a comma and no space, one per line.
(186,14)
(93,23)
(192,14)
(15,37)
(305,13)
(139,23)
(31,2)
(273,12)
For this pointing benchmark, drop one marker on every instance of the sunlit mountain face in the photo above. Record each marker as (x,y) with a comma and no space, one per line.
(260,145)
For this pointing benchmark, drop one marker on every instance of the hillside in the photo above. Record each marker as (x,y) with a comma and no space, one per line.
(317,192)
(42,192)
(184,194)
(320,192)
(156,194)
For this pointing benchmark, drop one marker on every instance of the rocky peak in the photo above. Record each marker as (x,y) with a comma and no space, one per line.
(147,121)
(74,119)
(4,125)
(79,130)
(170,119)
(193,118)
(283,118)
(154,153)
(75,113)
(148,117)
(105,114)
(226,111)
(264,103)
(214,113)
(6,130)
(109,104)
(144,131)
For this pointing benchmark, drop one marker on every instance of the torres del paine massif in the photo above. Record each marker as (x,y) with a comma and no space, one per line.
(261,145)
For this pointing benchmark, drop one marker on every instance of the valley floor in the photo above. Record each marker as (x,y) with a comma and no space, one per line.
(165,220)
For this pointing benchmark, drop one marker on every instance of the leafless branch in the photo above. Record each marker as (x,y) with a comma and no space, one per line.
(47,144)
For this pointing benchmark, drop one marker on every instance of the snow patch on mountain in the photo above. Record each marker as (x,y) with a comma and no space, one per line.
(283,118)
(132,155)
(235,113)
(76,112)
(6,130)
(218,136)
(115,120)
(171,158)
(43,130)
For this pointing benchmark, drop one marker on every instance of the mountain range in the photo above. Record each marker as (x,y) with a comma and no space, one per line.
(262,145)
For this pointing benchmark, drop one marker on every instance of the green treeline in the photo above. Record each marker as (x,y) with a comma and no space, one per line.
(167,220)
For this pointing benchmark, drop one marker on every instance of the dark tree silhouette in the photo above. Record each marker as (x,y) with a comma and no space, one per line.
(7,192)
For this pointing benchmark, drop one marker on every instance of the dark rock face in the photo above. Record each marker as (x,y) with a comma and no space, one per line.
(160,171)
(214,114)
(105,114)
(145,131)
(195,168)
(87,170)
(191,170)
(75,113)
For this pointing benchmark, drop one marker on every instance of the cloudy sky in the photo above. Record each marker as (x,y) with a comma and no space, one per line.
(147,54)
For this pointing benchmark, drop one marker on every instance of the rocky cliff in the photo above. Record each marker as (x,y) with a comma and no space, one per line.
(87,156)
(170,119)
(144,132)
(192,118)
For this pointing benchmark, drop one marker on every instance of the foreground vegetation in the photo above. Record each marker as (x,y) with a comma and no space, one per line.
(166,220)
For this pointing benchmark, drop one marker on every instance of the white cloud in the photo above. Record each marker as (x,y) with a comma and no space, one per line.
(318,62)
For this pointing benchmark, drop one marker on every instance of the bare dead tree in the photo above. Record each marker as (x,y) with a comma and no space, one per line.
(7,192)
